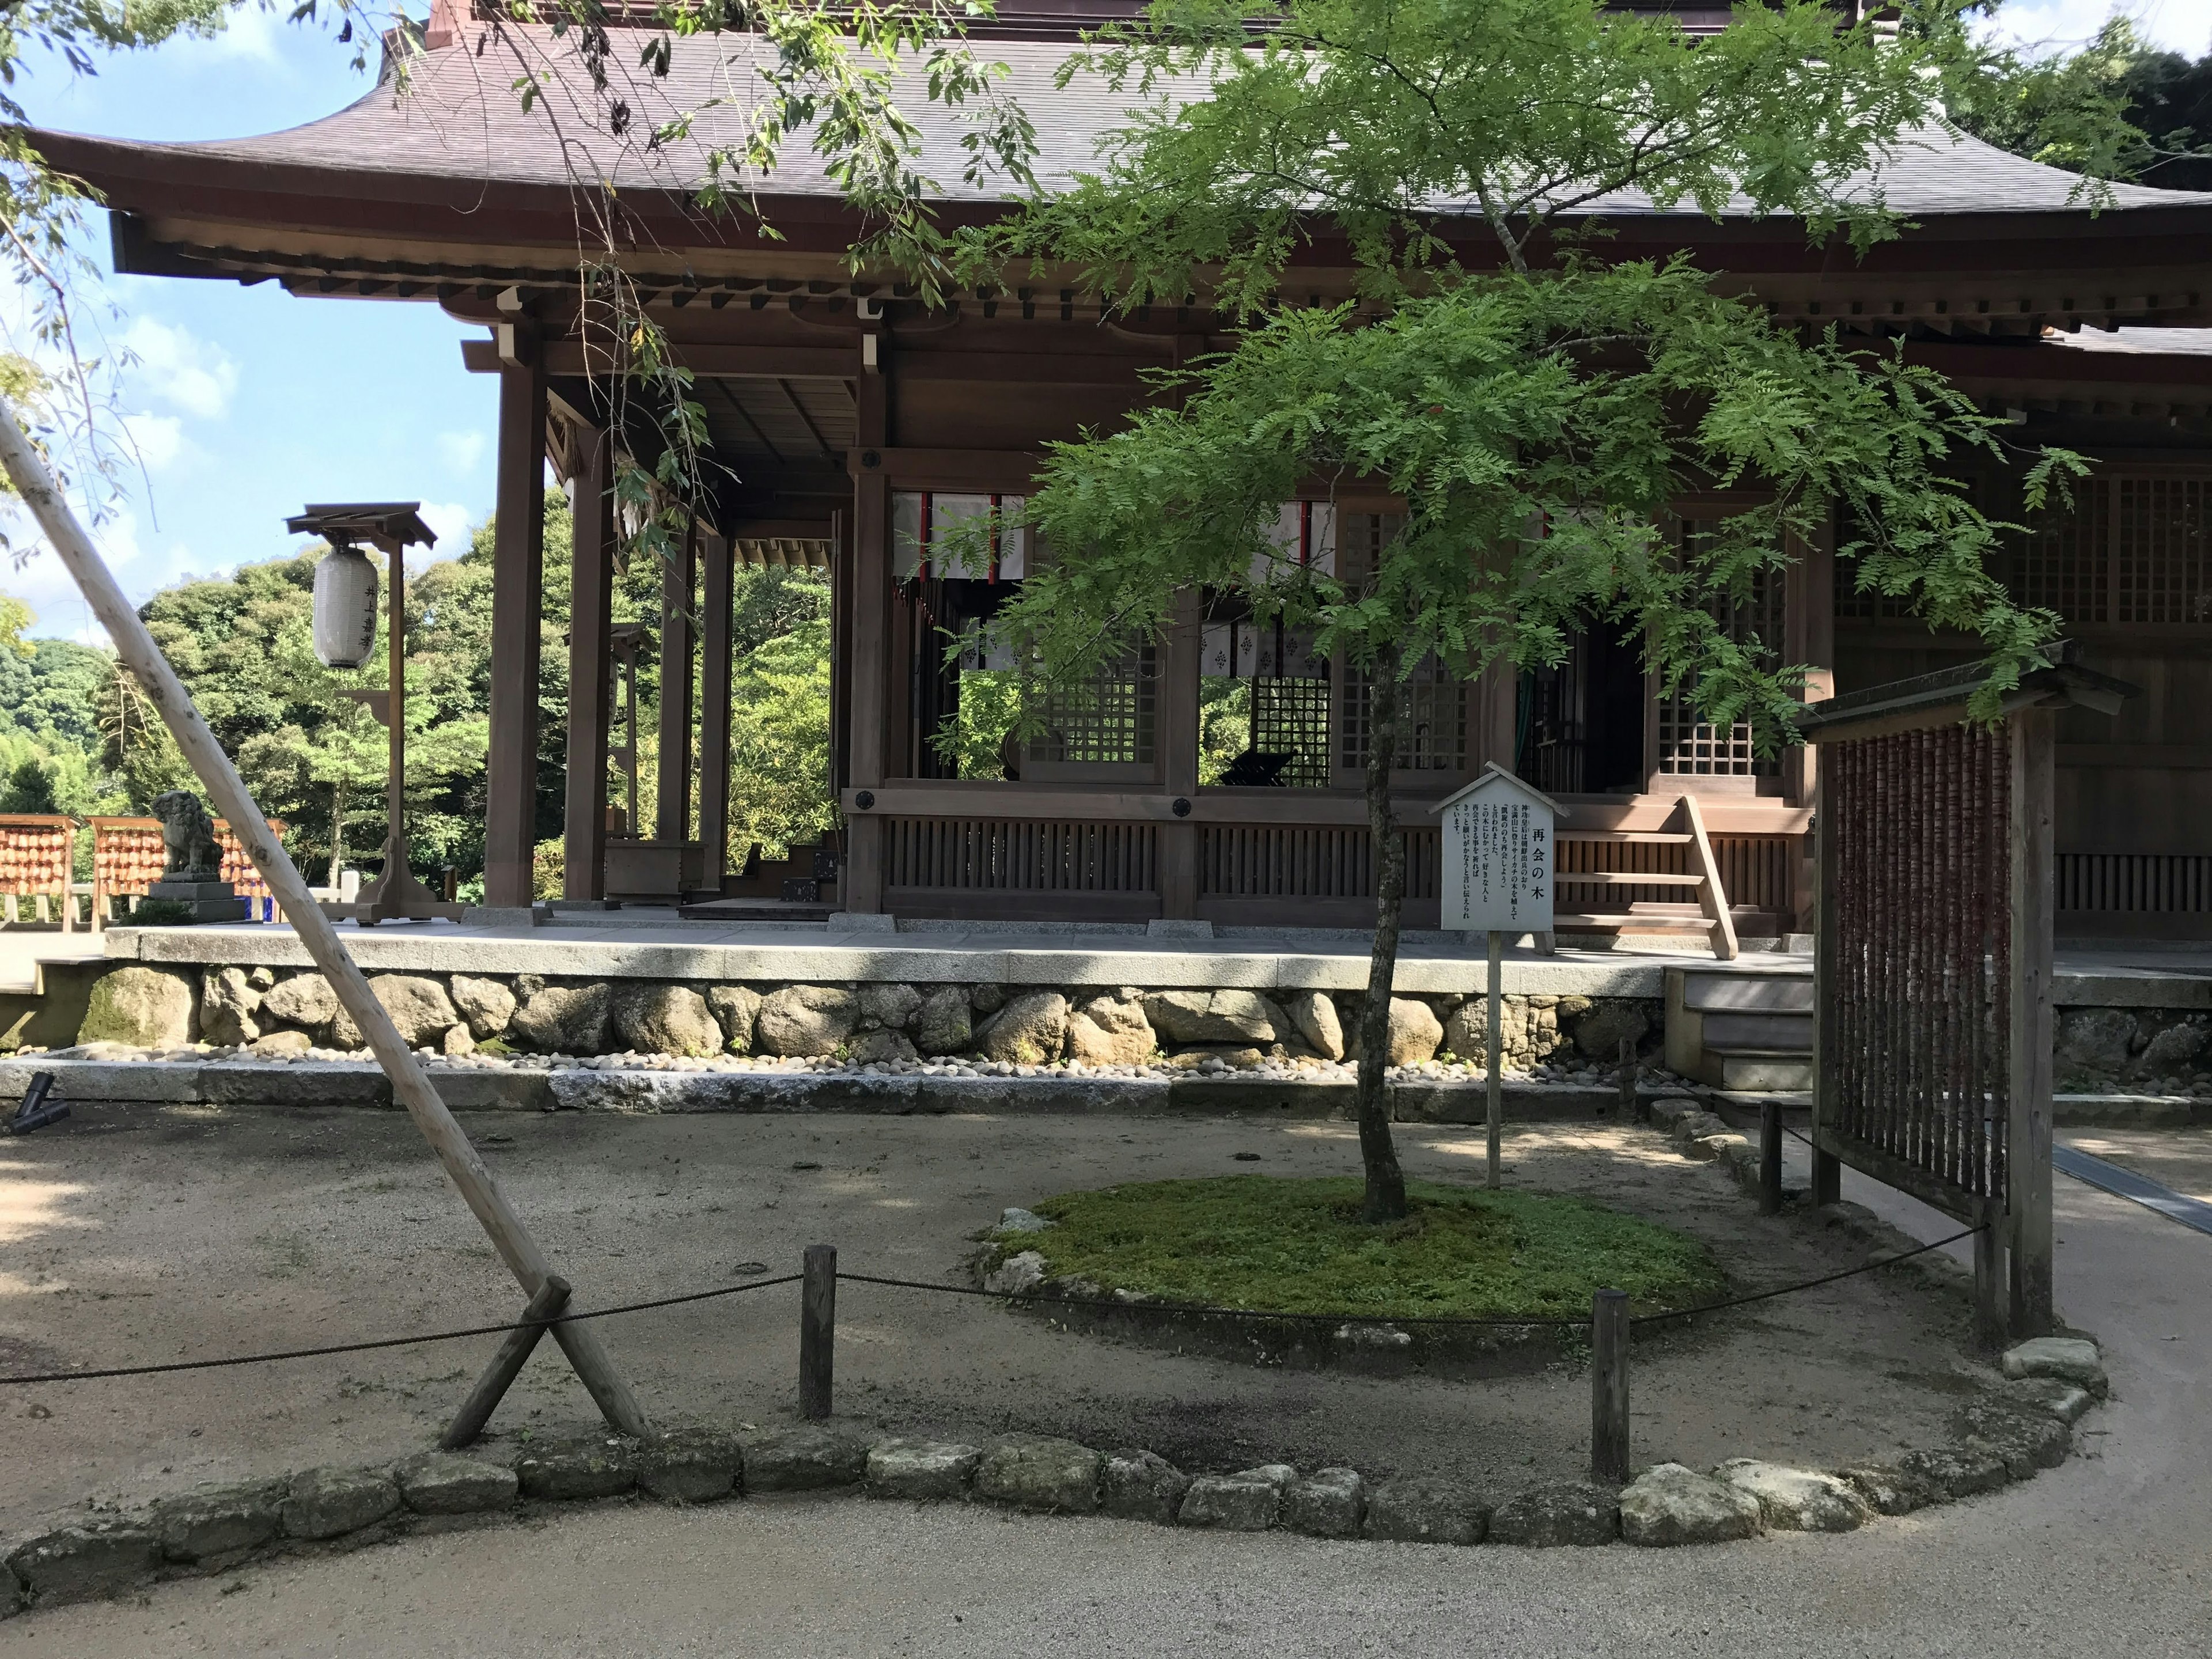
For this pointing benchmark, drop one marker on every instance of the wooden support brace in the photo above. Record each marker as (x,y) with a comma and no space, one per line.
(514,1347)
(1769,1158)
(1712,897)
(410,1080)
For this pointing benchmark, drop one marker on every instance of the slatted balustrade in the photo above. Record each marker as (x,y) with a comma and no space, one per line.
(2134,884)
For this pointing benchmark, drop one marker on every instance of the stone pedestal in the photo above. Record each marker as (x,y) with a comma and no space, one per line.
(209,901)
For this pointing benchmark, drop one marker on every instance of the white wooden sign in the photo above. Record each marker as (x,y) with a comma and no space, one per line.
(1498,856)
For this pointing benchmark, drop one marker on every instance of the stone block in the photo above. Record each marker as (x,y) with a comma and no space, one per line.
(485,1004)
(1250,1500)
(559,1471)
(1315,1015)
(1598,1033)
(280,1043)
(882,1047)
(1111,1031)
(2027,1441)
(803,1460)
(665,1019)
(1229,1016)
(1018,1275)
(2068,1358)
(921,1469)
(2052,1395)
(145,1007)
(1140,1486)
(1327,1504)
(736,1009)
(1558,1514)
(74,1564)
(327,1503)
(218,1522)
(1954,1472)
(563,1020)
(419,1007)
(1888,1489)
(1669,1504)
(942,1025)
(1416,1033)
(305,999)
(690,1466)
(804,1020)
(1040,1473)
(453,1483)
(889,1004)
(1426,1510)
(228,1001)
(1028,1031)
(1796,1500)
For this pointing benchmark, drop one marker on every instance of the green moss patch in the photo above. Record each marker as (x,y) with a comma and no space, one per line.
(1287,1246)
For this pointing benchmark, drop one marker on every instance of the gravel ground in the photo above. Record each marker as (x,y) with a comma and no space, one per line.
(140,1234)
(2107,1555)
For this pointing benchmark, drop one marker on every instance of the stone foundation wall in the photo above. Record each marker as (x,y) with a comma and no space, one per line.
(2144,1051)
(277,1010)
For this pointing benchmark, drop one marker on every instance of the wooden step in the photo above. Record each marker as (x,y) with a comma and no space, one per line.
(1764,1033)
(737,910)
(1712,993)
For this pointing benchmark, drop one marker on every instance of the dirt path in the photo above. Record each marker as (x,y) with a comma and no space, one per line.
(131,1235)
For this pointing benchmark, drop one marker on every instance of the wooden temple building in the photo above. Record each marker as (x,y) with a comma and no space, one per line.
(850,422)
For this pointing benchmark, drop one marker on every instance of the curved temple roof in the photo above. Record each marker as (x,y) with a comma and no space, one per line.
(454,114)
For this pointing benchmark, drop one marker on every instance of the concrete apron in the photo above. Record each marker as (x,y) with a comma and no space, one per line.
(572,1087)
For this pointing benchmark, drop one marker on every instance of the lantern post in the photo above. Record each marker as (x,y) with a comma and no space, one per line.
(345,626)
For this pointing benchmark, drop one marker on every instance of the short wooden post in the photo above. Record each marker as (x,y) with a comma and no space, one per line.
(818,1330)
(506,1365)
(1494,1108)
(1769,1158)
(1609,1387)
(1628,1078)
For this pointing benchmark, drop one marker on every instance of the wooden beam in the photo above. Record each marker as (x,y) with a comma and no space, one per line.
(518,594)
(2028,1134)
(861,883)
(715,361)
(715,600)
(1002,471)
(584,830)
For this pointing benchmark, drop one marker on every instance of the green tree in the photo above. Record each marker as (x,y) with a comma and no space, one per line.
(1534,404)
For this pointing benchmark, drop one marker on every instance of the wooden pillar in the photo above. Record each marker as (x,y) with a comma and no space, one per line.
(1181,659)
(517,595)
(862,878)
(715,589)
(2028,1139)
(1827,1169)
(591,659)
(673,820)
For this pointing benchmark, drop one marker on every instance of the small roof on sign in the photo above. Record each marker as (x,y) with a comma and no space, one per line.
(1494,777)
(390,526)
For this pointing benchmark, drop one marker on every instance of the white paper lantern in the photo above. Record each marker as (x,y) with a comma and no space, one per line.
(345,608)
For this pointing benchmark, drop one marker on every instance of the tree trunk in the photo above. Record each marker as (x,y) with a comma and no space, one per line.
(1385,1183)
(338,834)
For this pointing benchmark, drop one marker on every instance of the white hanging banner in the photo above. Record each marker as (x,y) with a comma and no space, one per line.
(1498,835)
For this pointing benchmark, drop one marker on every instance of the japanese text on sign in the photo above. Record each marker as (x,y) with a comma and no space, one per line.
(1497,865)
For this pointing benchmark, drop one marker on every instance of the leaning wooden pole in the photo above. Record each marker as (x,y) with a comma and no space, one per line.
(410,1082)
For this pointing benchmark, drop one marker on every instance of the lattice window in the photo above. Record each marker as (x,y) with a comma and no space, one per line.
(2065,561)
(1431,720)
(1691,746)
(2163,550)
(1290,717)
(1104,720)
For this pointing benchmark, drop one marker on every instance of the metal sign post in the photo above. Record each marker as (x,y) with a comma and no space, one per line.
(1497,839)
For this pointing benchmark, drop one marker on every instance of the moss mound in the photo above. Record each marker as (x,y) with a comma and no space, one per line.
(1290,1246)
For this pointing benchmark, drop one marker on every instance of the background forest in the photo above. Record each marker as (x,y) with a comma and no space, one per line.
(75,735)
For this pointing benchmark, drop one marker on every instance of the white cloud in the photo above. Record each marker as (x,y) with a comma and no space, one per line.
(159,438)
(42,582)
(252,32)
(453,521)
(463,450)
(179,368)
(2184,26)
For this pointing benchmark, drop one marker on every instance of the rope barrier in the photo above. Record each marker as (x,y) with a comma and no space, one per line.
(1109,1303)
(394,1341)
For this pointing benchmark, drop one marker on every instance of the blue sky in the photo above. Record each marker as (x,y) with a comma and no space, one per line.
(250,403)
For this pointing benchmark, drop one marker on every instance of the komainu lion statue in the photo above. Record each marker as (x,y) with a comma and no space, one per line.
(189,834)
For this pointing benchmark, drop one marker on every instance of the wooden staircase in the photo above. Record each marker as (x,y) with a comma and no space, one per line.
(1598,866)
(802,886)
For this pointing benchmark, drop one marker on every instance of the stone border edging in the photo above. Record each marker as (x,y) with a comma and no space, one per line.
(2010,1434)
(646,1093)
